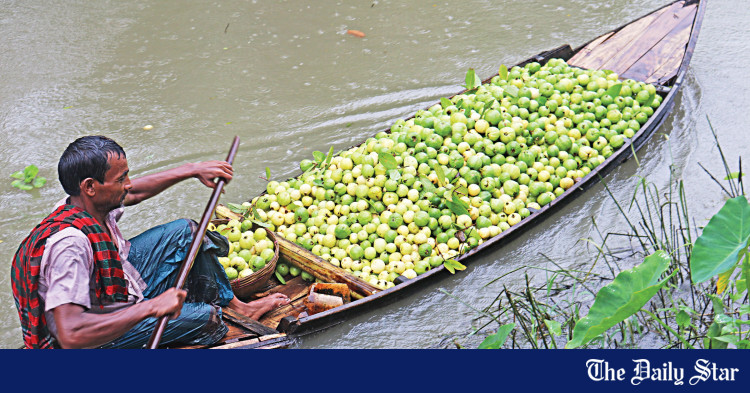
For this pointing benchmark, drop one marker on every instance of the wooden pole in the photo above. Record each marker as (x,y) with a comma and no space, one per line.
(187,264)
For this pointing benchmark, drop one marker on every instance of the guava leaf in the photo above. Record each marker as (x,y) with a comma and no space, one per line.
(319,156)
(650,100)
(268,173)
(329,157)
(614,91)
(280,278)
(18,175)
(497,340)
(261,224)
(444,102)
(427,184)
(39,181)
(472,80)
(394,174)
(29,172)
(235,208)
(724,237)
(629,291)
(387,159)
(488,105)
(503,72)
(457,207)
(440,175)
(511,90)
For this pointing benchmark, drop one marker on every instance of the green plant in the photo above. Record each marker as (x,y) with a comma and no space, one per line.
(27,179)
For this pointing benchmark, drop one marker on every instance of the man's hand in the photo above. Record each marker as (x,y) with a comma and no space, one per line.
(207,171)
(168,303)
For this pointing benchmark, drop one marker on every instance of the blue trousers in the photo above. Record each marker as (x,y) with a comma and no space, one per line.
(157,254)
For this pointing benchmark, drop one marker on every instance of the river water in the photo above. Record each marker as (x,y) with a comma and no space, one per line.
(287,79)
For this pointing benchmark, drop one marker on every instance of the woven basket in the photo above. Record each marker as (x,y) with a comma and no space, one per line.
(258,281)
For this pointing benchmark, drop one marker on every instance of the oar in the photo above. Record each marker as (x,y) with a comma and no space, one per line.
(153,343)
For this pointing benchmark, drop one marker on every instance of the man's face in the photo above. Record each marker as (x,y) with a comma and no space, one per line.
(111,194)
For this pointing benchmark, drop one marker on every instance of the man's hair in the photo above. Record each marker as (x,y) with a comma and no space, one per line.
(86,157)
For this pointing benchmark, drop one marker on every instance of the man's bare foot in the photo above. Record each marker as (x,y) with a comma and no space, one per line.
(256,308)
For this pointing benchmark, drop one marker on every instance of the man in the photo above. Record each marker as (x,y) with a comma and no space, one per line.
(78,283)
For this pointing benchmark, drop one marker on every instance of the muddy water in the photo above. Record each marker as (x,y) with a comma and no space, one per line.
(288,80)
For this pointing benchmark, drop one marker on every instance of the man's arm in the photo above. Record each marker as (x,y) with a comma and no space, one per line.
(77,328)
(147,186)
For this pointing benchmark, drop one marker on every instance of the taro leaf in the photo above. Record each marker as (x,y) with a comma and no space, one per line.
(497,340)
(553,327)
(614,91)
(444,102)
(30,172)
(723,281)
(734,175)
(280,278)
(629,291)
(268,173)
(511,91)
(440,175)
(503,72)
(319,156)
(387,159)
(723,238)
(18,175)
(745,273)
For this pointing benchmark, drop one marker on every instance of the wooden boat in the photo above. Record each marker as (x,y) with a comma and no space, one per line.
(655,48)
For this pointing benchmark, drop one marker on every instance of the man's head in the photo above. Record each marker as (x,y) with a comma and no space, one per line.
(95,166)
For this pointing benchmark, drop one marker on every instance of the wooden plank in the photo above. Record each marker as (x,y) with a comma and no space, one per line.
(658,58)
(622,39)
(321,269)
(272,341)
(247,323)
(670,67)
(293,309)
(657,31)
(293,289)
(579,57)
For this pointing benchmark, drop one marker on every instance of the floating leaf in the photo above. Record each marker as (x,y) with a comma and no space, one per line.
(497,340)
(629,291)
(18,175)
(723,238)
(387,159)
(614,91)
(30,172)
(734,175)
(444,102)
(17,183)
(503,72)
(554,327)
(25,187)
(39,182)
